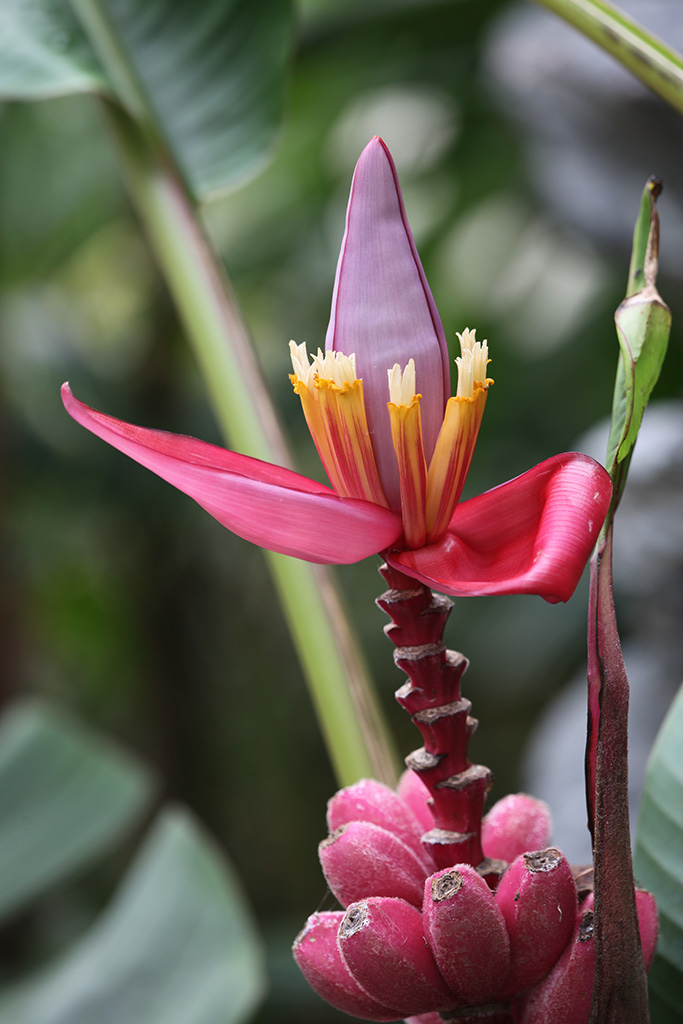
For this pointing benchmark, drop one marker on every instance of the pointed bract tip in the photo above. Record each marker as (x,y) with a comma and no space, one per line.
(374,143)
(376,159)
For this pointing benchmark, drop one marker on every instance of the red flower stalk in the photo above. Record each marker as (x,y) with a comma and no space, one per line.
(457,788)
(395,446)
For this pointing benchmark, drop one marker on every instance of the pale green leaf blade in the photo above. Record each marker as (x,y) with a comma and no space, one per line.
(659,861)
(65,796)
(213,74)
(210,76)
(177,945)
(43,52)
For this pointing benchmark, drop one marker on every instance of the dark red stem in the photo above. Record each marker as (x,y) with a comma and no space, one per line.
(432,697)
(620,987)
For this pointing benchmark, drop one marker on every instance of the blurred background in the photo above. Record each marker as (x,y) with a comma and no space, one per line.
(522,152)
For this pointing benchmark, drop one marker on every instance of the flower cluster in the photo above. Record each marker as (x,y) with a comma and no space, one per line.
(413,941)
(395,445)
(333,402)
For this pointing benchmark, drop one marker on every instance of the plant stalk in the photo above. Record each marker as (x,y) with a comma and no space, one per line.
(653,62)
(431,696)
(620,985)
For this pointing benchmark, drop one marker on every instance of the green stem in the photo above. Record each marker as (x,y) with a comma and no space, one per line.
(350,720)
(648,58)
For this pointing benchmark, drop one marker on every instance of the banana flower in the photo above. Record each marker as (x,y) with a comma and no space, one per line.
(394,443)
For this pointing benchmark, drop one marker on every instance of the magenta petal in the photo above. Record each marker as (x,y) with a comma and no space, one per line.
(531,535)
(383,310)
(265,504)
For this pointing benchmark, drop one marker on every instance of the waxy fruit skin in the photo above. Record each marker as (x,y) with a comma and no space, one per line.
(564,996)
(316,951)
(382,942)
(415,795)
(537,897)
(361,858)
(458,951)
(466,933)
(516,824)
(368,800)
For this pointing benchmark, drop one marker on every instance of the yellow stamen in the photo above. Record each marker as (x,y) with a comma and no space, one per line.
(336,367)
(406,433)
(333,404)
(472,363)
(402,385)
(303,382)
(455,445)
(303,371)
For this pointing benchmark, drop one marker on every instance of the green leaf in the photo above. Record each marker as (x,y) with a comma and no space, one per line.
(641,237)
(659,861)
(65,796)
(643,323)
(214,73)
(43,52)
(177,946)
(207,78)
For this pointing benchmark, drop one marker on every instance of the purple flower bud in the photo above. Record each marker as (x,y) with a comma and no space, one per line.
(317,953)
(466,933)
(362,859)
(514,825)
(383,310)
(371,801)
(382,942)
(538,899)
(564,996)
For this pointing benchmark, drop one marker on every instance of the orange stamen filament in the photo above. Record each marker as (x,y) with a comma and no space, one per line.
(406,433)
(332,400)
(457,439)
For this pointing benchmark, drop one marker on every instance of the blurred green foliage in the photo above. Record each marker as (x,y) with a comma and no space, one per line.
(121,598)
